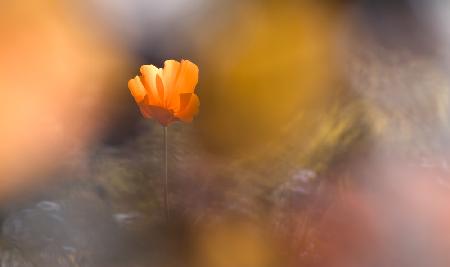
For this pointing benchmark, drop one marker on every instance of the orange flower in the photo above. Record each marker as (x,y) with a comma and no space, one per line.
(167,94)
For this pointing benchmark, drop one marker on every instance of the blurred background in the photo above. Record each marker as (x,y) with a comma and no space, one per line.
(322,137)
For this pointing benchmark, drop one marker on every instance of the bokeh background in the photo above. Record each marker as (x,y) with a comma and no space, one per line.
(322,137)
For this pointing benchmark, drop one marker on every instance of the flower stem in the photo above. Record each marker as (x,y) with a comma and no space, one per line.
(166,199)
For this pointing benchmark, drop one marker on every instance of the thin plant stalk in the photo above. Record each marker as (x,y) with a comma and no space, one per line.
(165,184)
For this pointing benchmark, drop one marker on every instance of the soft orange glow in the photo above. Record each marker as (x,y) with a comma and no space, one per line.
(54,76)
(167,94)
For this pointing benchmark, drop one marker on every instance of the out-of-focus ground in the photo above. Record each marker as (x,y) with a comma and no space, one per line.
(322,137)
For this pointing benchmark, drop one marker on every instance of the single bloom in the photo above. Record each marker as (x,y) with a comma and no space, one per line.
(167,94)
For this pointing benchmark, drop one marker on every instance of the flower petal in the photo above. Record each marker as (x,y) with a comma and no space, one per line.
(184,100)
(170,73)
(188,113)
(149,73)
(187,78)
(137,89)
(160,87)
